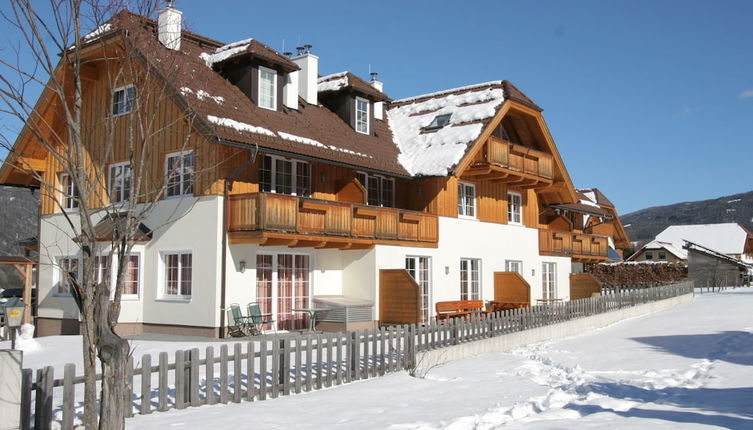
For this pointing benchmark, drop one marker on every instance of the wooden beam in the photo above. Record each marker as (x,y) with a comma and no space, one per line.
(307,244)
(27,294)
(27,163)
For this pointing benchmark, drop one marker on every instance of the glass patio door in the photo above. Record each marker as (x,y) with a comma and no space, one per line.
(283,284)
(419,268)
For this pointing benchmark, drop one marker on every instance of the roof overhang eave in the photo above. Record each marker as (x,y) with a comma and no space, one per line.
(289,154)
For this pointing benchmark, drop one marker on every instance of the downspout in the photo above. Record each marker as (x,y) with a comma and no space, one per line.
(228,186)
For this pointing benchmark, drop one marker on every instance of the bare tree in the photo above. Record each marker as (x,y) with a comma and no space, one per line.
(68,52)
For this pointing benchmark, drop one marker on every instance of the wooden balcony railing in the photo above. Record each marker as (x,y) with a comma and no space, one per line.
(518,158)
(579,246)
(305,216)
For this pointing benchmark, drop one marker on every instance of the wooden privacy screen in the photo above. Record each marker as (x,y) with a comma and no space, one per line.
(399,298)
(510,287)
(583,286)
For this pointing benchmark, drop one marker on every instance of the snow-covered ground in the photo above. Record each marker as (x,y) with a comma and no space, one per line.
(687,367)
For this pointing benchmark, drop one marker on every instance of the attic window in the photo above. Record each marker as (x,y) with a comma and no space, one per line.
(439,121)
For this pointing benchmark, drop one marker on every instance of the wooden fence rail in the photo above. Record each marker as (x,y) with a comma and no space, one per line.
(265,368)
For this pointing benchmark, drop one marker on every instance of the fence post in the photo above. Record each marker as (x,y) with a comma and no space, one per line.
(69,396)
(11,363)
(193,378)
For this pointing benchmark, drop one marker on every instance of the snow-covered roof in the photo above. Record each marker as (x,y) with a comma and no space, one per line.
(727,238)
(435,152)
(332,82)
(668,246)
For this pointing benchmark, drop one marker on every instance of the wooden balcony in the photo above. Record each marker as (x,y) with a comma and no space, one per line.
(514,164)
(581,247)
(278,219)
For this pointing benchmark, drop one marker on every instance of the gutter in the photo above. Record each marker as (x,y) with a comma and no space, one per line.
(227,188)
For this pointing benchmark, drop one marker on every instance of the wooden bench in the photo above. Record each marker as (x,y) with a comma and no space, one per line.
(459,308)
(503,306)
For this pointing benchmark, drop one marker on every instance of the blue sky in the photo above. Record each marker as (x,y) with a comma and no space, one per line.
(651,101)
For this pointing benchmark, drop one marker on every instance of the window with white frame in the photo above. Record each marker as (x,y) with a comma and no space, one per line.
(380,190)
(68,271)
(283,176)
(514,208)
(104,270)
(549,280)
(514,266)
(101,268)
(179,171)
(120,182)
(267,88)
(132,275)
(466,200)
(420,269)
(470,279)
(178,274)
(362,115)
(69,192)
(123,100)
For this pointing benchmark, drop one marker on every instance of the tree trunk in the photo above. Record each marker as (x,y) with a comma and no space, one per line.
(113,355)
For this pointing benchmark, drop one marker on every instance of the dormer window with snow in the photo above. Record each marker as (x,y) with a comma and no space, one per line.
(362,115)
(438,122)
(123,99)
(267,88)
(267,78)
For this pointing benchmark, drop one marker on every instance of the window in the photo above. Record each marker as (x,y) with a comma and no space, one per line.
(267,88)
(178,274)
(120,182)
(179,170)
(283,284)
(67,272)
(278,175)
(514,266)
(362,115)
(69,196)
(649,255)
(549,280)
(662,255)
(380,191)
(438,122)
(470,279)
(420,269)
(131,276)
(466,200)
(514,208)
(101,268)
(123,100)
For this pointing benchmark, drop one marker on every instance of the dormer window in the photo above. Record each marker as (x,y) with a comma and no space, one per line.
(439,121)
(267,88)
(362,115)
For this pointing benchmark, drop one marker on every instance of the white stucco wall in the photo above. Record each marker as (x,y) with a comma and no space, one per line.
(492,243)
(187,224)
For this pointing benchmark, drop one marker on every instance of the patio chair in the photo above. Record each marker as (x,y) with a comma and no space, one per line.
(257,320)
(237,324)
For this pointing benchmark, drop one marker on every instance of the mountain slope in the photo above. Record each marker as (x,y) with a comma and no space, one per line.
(643,225)
(19,212)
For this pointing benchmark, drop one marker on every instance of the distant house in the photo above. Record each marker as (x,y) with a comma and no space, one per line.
(711,269)
(730,239)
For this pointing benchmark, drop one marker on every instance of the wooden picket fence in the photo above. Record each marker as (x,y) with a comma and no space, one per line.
(269,367)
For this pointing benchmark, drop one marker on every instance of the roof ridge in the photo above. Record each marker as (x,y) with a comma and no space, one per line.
(448,91)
